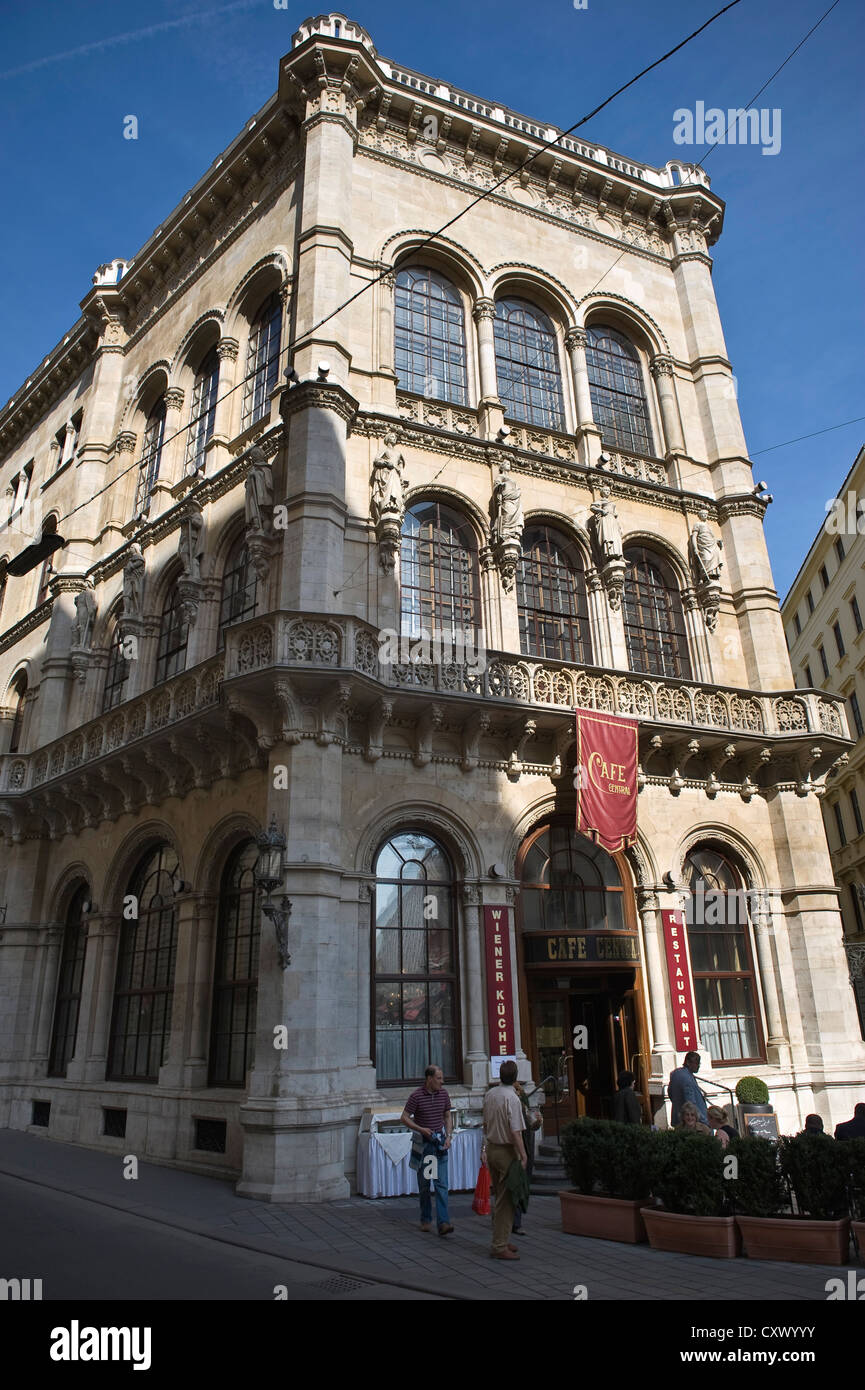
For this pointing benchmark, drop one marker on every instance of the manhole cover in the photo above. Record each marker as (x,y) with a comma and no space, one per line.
(342,1283)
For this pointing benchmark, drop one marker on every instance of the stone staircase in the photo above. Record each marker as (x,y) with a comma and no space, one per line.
(548,1174)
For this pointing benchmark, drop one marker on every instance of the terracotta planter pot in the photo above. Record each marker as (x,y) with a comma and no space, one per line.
(791,1238)
(693,1235)
(606,1218)
(858,1229)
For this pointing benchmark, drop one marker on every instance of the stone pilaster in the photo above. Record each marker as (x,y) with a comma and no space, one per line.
(587,433)
(90,1059)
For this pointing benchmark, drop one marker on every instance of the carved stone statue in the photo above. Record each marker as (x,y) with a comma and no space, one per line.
(608,535)
(705,550)
(133,583)
(85,613)
(259,490)
(189,545)
(506,508)
(388,485)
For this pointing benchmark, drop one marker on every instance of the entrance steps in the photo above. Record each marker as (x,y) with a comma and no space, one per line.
(548,1174)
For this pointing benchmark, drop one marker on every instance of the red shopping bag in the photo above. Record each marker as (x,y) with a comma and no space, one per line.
(481,1199)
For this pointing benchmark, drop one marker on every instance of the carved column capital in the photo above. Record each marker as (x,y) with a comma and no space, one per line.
(227,349)
(575,338)
(484,309)
(174,398)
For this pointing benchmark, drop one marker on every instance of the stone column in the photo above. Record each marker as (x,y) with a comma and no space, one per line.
(217,453)
(673,445)
(186,1065)
(173,450)
(50,944)
(364,1040)
(384,381)
(777,1045)
(492,413)
(663,1053)
(55,690)
(476,1068)
(587,434)
(90,1058)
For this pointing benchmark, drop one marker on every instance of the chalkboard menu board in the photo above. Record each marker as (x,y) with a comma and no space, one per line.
(762,1126)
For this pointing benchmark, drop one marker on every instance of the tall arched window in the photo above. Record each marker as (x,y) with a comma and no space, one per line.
(69,984)
(144,987)
(551,592)
(117,674)
(654,617)
(235,978)
(151,455)
(716,913)
(2,582)
(415,1003)
(570,884)
(203,413)
(262,359)
(619,404)
(438,572)
(20,692)
(173,638)
(239,588)
(527,365)
(430,337)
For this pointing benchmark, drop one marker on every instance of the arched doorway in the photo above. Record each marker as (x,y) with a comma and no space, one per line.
(581,988)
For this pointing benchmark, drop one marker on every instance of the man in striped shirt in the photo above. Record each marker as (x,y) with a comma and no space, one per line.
(428,1113)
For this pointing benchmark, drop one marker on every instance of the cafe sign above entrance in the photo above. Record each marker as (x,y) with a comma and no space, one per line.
(607,948)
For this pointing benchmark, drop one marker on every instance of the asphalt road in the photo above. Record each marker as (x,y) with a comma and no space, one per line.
(83,1250)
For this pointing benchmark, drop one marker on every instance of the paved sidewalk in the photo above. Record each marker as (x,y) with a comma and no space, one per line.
(381,1240)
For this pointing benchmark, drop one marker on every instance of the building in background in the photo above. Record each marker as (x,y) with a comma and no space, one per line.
(289,664)
(823,619)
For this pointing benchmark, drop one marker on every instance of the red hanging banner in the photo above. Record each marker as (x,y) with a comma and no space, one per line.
(681,988)
(500,1004)
(607,778)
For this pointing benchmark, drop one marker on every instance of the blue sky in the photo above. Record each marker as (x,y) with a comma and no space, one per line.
(788,268)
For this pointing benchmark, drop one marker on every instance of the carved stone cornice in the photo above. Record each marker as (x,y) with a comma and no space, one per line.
(741,506)
(310,395)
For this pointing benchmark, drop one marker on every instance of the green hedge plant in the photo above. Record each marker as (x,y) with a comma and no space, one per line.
(852,1153)
(752,1090)
(608,1159)
(687,1173)
(758,1188)
(816,1169)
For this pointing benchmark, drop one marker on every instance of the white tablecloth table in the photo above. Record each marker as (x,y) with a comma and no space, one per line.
(378,1175)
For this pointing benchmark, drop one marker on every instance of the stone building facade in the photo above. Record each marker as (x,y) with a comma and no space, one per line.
(505,477)
(824,627)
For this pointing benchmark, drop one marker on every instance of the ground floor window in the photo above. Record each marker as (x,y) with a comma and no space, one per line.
(725,989)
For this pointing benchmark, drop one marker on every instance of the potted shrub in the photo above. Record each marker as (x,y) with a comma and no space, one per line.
(752,1094)
(609,1166)
(815,1169)
(688,1176)
(853,1153)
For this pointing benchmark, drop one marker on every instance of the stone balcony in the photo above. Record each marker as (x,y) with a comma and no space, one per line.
(287,677)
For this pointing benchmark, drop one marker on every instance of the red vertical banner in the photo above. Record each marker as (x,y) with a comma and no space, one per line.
(681,988)
(500,1004)
(606,779)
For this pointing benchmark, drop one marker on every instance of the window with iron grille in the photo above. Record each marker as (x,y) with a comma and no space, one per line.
(117,674)
(857,716)
(839,640)
(857,616)
(210,1136)
(721,961)
(857,814)
(415,999)
(438,573)
(148,468)
(552,598)
(823,662)
(203,415)
(239,589)
(173,638)
(839,823)
(262,360)
(654,617)
(527,365)
(144,988)
(619,405)
(430,337)
(18,717)
(114,1123)
(69,984)
(235,982)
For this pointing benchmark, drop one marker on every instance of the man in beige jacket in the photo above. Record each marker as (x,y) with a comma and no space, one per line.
(503,1134)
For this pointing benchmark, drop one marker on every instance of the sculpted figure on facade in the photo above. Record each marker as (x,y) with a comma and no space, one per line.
(189,546)
(259,491)
(387,500)
(607,542)
(133,583)
(706,564)
(506,526)
(85,614)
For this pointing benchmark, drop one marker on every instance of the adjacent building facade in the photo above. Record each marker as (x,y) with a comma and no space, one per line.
(354,515)
(824,627)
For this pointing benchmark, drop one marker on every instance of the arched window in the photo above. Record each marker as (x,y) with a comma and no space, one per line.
(235,979)
(415,1003)
(20,691)
(69,984)
(725,990)
(203,411)
(148,469)
(262,360)
(551,592)
(430,337)
(2,583)
(239,589)
(117,674)
(569,884)
(438,572)
(616,387)
(144,987)
(527,365)
(654,617)
(173,638)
